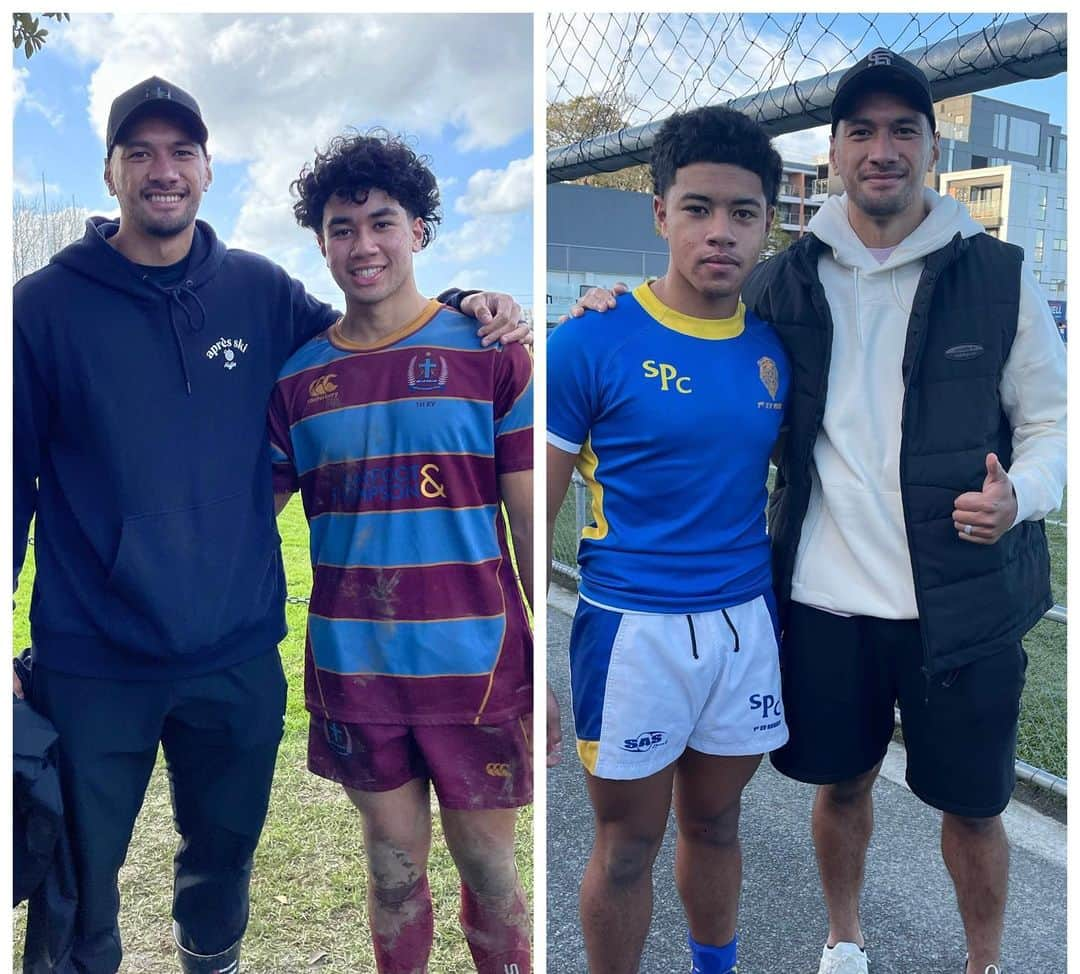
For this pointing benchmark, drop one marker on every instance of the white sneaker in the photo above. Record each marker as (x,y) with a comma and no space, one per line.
(844,958)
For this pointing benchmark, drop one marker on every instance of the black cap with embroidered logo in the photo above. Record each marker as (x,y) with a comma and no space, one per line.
(154,96)
(882,70)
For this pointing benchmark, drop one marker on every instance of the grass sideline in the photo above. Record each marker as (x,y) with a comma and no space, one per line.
(308,910)
(1042,734)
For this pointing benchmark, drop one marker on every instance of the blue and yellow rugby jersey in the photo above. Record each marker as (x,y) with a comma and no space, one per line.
(673,419)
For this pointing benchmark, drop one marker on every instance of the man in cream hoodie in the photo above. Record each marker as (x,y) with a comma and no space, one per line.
(908,548)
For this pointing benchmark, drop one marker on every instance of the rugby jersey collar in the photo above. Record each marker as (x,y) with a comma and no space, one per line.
(708,328)
(338,340)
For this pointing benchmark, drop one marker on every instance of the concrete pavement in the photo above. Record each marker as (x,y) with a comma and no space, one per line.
(908,908)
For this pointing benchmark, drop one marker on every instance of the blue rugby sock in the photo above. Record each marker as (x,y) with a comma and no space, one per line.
(713,960)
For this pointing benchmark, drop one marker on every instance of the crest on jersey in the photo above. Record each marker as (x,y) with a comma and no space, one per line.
(428,374)
(769,375)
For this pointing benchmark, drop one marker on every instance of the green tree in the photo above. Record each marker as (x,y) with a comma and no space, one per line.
(776,239)
(27,32)
(587,116)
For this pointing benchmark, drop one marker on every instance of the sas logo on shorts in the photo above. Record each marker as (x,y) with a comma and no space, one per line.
(645,742)
(769,706)
(338,737)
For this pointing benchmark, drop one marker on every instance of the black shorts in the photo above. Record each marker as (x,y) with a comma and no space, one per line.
(842,677)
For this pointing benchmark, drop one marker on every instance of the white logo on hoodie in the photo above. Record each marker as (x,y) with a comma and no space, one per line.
(227,348)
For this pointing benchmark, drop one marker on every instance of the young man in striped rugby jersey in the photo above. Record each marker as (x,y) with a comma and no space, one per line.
(405,436)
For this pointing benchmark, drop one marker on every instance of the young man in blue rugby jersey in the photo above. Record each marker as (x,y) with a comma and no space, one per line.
(638,400)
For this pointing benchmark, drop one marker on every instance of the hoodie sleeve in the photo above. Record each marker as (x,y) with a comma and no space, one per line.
(309,315)
(30,421)
(1032,392)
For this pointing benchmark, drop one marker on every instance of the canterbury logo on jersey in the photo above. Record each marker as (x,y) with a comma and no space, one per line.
(668,375)
(498,770)
(323,387)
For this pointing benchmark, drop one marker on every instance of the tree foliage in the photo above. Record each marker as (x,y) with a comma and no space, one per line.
(27,32)
(587,116)
(777,239)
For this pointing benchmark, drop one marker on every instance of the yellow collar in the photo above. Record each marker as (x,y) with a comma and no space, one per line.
(709,328)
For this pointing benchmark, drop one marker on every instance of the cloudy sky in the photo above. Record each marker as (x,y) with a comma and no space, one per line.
(272,88)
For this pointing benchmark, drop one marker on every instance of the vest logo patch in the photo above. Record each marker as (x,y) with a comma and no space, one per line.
(961,353)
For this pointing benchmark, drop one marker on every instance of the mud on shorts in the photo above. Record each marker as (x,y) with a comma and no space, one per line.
(842,678)
(471,766)
(647,686)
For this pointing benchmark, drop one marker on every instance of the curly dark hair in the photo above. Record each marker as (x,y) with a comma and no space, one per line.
(715,134)
(353,165)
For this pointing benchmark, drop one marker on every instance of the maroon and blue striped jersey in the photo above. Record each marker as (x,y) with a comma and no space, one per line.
(397,449)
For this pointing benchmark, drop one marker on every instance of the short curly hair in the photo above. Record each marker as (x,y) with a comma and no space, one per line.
(715,134)
(354,164)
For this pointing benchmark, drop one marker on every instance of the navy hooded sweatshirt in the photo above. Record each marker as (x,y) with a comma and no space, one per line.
(140,446)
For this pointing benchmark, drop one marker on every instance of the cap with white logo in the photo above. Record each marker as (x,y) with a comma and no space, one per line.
(882,70)
(154,96)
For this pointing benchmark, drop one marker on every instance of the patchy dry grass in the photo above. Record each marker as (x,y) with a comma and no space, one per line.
(308,910)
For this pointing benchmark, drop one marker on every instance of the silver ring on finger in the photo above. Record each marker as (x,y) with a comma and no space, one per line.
(968,529)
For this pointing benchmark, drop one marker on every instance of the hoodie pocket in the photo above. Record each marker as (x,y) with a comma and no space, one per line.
(188,579)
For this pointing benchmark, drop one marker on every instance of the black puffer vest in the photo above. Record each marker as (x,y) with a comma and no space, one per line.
(973,600)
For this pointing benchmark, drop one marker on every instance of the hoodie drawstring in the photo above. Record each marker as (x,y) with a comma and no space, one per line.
(174,300)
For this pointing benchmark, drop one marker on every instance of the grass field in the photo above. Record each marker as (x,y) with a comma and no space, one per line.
(1042,734)
(308,908)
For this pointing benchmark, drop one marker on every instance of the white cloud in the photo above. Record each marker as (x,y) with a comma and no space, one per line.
(24,98)
(474,239)
(499,190)
(804,146)
(272,88)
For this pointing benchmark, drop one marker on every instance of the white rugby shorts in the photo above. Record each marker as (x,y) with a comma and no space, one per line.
(647,686)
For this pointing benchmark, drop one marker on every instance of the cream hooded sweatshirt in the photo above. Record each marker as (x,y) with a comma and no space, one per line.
(853,556)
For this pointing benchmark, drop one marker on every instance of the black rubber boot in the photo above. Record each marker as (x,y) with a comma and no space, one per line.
(227,962)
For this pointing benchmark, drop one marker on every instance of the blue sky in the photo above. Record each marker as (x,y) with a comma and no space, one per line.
(272,88)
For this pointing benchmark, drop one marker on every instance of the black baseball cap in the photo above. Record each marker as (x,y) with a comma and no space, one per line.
(882,70)
(154,96)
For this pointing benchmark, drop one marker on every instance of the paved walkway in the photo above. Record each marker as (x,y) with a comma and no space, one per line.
(909,911)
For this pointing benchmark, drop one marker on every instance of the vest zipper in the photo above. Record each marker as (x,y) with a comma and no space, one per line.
(693,636)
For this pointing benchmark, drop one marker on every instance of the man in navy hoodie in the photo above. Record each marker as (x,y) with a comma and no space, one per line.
(144,359)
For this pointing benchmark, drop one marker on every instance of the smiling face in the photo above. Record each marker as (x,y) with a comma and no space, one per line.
(369,246)
(158,176)
(714,218)
(882,152)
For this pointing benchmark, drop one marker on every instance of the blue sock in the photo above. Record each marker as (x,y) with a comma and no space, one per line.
(713,960)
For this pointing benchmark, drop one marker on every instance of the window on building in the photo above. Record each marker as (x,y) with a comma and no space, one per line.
(1062,147)
(1049,161)
(1040,245)
(1061,203)
(1044,194)
(1023,136)
(1037,274)
(1059,244)
(1001,131)
(978,162)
